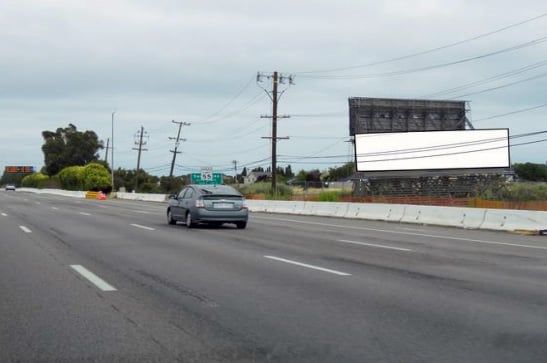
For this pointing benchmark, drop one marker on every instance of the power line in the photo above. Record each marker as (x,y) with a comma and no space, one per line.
(254,100)
(412,55)
(487,80)
(204,120)
(434,66)
(502,86)
(510,113)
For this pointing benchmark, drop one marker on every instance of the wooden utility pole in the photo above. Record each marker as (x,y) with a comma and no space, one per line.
(107,147)
(177,141)
(276,79)
(140,136)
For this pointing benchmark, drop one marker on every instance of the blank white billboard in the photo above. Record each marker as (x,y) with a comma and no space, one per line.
(430,150)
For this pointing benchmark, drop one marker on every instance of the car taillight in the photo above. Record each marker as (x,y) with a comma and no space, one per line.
(199,203)
(244,204)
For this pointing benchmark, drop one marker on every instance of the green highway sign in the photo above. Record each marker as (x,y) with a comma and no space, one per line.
(206,178)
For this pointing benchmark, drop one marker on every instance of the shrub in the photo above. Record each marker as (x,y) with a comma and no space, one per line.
(96,177)
(522,192)
(329,197)
(36,180)
(283,191)
(71,178)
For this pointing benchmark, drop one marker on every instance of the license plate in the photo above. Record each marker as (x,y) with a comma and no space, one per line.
(224,205)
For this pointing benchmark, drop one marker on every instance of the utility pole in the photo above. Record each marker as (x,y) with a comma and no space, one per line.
(178,139)
(276,79)
(140,135)
(112,165)
(106,153)
(235,172)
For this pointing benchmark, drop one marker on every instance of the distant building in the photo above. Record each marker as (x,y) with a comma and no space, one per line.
(256,176)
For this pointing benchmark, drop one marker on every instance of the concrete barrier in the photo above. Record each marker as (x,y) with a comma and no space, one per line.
(534,222)
(511,220)
(447,216)
(328,209)
(142,197)
(64,193)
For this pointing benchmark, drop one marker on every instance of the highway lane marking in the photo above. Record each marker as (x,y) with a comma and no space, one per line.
(374,245)
(143,227)
(408,229)
(4,215)
(54,208)
(25,229)
(141,212)
(308,266)
(85,214)
(94,279)
(408,233)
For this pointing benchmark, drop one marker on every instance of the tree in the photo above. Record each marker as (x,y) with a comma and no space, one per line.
(531,171)
(288,172)
(342,172)
(171,184)
(69,147)
(146,183)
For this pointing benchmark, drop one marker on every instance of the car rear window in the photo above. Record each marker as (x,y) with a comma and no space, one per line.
(219,189)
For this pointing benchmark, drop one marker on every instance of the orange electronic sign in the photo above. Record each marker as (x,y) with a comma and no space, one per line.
(19,169)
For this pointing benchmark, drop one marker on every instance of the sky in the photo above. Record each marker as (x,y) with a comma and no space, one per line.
(115,66)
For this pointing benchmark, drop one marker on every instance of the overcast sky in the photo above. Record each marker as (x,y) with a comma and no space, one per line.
(152,62)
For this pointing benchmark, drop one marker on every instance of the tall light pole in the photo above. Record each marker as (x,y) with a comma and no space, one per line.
(112,166)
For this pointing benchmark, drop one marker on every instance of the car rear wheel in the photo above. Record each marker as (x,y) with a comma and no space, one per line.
(241,225)
(170,219)
(189,222)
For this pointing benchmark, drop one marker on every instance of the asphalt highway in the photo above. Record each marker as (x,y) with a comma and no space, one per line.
(111,281)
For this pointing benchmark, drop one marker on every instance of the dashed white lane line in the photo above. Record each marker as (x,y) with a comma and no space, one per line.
(85,213)
(307,266)
(54,208)
(374,245)
(143,227)
(25,229)
(94,279)
(4,215)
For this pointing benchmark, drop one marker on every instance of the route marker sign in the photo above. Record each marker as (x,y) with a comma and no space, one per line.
(212,178)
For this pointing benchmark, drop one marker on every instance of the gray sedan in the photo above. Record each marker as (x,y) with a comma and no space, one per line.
(211,204)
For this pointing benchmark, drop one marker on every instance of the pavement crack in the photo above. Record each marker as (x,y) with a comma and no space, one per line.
(180,289)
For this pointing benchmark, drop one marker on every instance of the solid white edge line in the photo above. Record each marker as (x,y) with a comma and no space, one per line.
(407,233)
(374,245)
(94,279)
(308,266)
(25,229)
(143,227)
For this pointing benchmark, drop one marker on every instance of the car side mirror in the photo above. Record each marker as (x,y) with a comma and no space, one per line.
(173,196)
